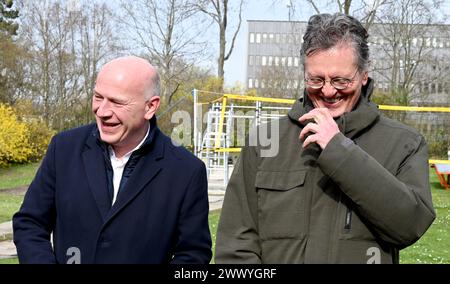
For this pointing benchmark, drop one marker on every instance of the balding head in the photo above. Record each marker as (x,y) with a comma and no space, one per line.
(133,72)
(126,97)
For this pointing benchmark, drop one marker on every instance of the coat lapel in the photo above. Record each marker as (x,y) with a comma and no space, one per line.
(94,166)
(146,170)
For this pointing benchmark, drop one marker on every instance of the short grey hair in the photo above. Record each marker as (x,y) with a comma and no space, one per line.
(154,87)
(325,31)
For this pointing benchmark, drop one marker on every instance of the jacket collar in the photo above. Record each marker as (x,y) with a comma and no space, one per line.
(94,164)
(146,146)
(364,113)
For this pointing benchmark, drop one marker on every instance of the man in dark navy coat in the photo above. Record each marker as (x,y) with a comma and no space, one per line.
(117,191)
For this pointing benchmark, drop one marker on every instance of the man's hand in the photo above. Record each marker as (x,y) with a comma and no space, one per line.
(323,127)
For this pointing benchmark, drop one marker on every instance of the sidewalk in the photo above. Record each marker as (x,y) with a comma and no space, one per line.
(7,248)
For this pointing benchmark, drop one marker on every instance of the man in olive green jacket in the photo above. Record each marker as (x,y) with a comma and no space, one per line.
(353,189)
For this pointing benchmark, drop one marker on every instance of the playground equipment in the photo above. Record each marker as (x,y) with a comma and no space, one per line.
(229,117)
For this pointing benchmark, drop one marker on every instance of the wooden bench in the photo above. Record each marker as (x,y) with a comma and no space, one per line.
(443,174)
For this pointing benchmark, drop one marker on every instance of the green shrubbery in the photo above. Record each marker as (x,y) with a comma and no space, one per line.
(22,139)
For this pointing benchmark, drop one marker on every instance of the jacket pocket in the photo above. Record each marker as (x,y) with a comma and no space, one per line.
(353,227)
(281,204)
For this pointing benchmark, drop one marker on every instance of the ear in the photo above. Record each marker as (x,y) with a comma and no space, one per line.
(365,78)
(151,107)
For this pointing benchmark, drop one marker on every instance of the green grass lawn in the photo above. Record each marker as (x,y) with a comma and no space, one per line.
(17,175)
(434,246)
(9,204)
(9,261)
(213,222)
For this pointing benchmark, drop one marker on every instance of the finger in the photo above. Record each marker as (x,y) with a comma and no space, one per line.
(314,115)
(307,116)
(309,128)
(325,113)
(310,139)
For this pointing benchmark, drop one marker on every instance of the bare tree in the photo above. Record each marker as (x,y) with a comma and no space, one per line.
(409,42)
(64,46)
(97,43)
(364,10)
(279,82)
(167,33)
(218,11)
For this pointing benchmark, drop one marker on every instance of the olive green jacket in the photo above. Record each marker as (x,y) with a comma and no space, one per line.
(360,200)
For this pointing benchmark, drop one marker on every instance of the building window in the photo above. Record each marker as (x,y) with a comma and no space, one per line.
(270,61)
(296,61)
(283,38)
(263,61)
(271,38)
(258,38)
(250,83)
(264,38)
(283,61)
(257,60)
(252,38)
(289,61)
(414,42)
(277,38)
(290,38)
(277,61)
(251,59)
(263,84)
(427,42)
(256,83)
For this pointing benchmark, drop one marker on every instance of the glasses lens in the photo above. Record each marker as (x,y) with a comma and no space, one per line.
(340,83)
(315,83)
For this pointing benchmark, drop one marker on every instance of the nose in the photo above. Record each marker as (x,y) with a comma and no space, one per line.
(328,90)
(103,109)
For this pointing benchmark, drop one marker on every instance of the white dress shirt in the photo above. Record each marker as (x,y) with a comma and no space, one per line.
(118,165)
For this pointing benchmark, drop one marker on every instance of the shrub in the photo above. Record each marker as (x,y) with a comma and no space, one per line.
(22,140)
(14,143)
(39,136)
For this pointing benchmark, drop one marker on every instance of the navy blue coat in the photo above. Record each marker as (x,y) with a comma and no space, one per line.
(161,216)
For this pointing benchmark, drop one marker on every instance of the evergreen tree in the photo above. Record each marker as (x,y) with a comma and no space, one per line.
(8,14)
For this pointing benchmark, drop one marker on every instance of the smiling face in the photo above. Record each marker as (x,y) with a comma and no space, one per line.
(121,103)
(337,62)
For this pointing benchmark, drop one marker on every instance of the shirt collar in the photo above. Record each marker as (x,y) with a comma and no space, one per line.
(113,154)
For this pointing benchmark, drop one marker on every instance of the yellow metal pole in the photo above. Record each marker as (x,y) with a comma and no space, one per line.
(410,108)
(221,122)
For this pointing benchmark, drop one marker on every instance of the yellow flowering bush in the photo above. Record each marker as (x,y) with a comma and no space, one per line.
(21,141)
(14,143)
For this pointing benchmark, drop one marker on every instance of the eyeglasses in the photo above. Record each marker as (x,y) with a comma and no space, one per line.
(338,83)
